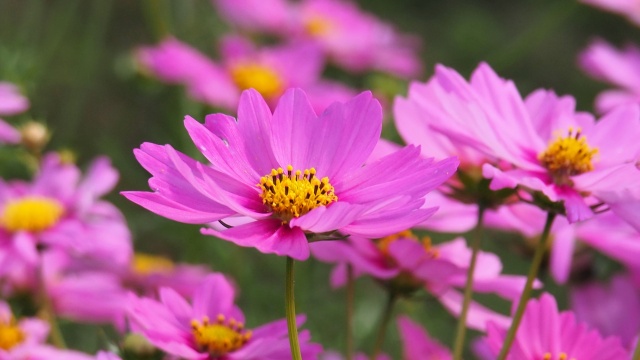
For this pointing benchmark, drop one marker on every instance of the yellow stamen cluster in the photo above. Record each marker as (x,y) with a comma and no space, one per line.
(220,337)
(10,335)
(384,243)
(146,264)
(562,356)
(316,26)
(262,78)
(32,213)
(568,156)
(292,194)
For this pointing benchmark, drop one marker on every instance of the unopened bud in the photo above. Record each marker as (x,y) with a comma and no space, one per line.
(35,135)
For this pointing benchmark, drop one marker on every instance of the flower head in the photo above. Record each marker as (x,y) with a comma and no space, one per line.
(211,327)
(291,174)
(11,103)
(546,333)
(627,8)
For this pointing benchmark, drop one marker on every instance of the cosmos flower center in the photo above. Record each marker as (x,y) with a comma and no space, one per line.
(31,213)
(317,25)
(292,194)
(384,243)
(10,335)
(262,78)
(221,337)
(145,264)
(567,156)
(561,356)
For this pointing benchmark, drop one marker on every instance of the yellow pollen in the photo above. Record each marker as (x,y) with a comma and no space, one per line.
(31,213)
(262,78)
(292,194)
(146,264)
(317,26)
(568,156)
(10,335)
(562,356)
(220,337)
(384,243)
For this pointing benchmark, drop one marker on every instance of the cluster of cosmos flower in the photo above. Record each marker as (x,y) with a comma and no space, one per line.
(300,171)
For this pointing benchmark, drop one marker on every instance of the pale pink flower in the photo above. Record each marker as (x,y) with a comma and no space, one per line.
(265,167)
(545,333)
(211,326)
(269,70)
(11,103)
(272,16)
(619,67)
(539,143)
(417,344)
(627,8)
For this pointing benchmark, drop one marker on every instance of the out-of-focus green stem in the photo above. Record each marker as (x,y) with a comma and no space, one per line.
(290,308)
(384,324)
(636,353)
(468,289)
(349,321)
(526,293)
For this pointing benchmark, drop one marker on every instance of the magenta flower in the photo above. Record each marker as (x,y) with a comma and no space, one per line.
(211,327)
(627,8)
(618,67)
(406,264)
(60,209)
(612,308)
(417,344)
(547,334)
(539,143)
(271,16)
(290,174)
(268,70)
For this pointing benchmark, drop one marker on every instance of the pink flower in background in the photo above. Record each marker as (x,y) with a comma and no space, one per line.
(417,344)
(268,70)
(271,16)
(613,308)
(539,143)
(619,67)
(62,209)
(356,40)
(407,263)
(211,326)
(11,103)
(291,173)
(628,8)
(546,333)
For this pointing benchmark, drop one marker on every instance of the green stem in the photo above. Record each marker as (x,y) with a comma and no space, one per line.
(526,293)
(384,323)
(468,289)
(290,307)
(349,323)
(47,313)
(636,353)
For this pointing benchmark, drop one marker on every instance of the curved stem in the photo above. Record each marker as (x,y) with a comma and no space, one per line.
(349,321)
(526,293)
(636,353)
(384,323)
(290,308)
(468,288)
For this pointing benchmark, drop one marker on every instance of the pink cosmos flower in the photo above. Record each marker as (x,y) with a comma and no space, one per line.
(26,339)
(544,333)
(539,143)
(272,16)
(211,327)
(613,308)
(407,264)
(417,344)
(11,103)
(268,70)
(619,67)
(332,355)
(628,8)
(290,174)
(60,209)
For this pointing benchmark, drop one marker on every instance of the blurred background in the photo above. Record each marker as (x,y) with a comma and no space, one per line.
(73,60)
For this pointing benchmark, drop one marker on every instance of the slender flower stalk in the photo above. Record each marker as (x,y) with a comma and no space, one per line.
(349,321)
(290,307)
(526,293)
(384,324)
(468,289)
